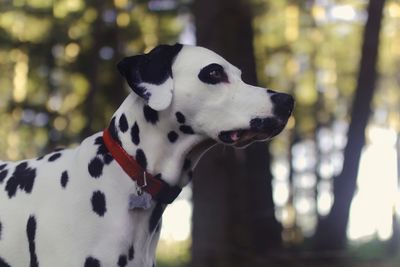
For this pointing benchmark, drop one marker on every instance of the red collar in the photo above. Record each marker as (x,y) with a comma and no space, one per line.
(157,188)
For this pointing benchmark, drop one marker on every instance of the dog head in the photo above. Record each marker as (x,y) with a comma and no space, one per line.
(206,94)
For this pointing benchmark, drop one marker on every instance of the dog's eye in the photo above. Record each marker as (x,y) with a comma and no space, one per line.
(213,74)
(216,74)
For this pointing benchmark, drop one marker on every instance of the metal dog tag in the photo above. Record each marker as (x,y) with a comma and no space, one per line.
(140,201)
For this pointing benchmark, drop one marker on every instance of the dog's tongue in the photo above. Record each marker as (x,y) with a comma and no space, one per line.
(241,135)
(235,135)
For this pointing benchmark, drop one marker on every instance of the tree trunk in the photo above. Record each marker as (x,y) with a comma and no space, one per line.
(331,232)
(394,243)
(93,66)
(233,216)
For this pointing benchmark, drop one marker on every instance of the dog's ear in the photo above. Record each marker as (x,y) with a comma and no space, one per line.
(150,75)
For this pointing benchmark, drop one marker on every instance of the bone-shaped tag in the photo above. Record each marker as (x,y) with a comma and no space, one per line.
(140,201)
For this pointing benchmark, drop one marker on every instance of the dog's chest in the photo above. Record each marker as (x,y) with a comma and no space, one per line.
(69,208)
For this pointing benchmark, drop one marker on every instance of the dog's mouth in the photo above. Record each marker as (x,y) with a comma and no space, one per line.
(240,138)
(244,137)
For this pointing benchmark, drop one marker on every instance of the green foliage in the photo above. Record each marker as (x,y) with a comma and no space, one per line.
(58,66)
(303,49)
(300,50)
(173,254)
(374,250)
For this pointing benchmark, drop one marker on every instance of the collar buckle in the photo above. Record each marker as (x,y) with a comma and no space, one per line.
(144,176)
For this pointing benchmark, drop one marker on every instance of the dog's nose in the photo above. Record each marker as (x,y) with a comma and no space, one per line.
(283,105)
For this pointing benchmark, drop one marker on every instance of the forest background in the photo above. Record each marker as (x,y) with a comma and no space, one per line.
(323,193)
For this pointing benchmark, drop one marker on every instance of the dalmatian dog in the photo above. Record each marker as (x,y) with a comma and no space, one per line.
(100,203)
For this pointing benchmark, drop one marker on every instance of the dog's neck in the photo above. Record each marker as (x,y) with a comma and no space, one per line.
(156,142)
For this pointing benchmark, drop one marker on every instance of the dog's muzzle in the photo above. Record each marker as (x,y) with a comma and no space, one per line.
(261,129)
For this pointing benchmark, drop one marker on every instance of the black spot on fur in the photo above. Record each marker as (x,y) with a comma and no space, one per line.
(172,136)
(23,178)
(54,156)
(3,175)
(108,159)
(123,123)
(31,234)
(95,167)
(190,174)
(141,158)
(99,203)
(64,179)
(131,253)
(186,129)
(187,164)
(122,261)
(113,131)
(2,166)
(92,262)
(155,217)
(102,149)
(180,117)
(3,263)
(99,140)
(135,134)
(1,228)
(150,114)
(40,158)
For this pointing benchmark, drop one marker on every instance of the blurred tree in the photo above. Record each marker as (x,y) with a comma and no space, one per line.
(58,63)
(394,243)
(331,231)
(233,223)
